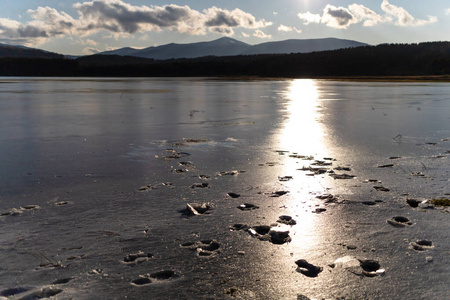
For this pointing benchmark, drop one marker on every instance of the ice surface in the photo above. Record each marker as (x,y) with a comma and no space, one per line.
(89,178)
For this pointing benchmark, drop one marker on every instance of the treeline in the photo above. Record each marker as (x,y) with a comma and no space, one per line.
(22,52)
(383,60)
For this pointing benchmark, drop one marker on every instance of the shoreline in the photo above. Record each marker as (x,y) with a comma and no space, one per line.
(412,78)
(361,78)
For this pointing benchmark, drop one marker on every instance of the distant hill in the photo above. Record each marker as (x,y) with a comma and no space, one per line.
(221,47)
(25,52)
(302,46)
(127,51)
(230,47)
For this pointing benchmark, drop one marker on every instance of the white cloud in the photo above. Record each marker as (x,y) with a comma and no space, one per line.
(235,18)
(367,15)
(123,19)
(284,28)
(447,11)
(223,21)
(308,18)
(342,18)
(90,42)
(245,34)
(404,18)
(261,35)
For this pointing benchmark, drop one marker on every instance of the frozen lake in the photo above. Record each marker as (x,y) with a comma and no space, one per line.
(96,172)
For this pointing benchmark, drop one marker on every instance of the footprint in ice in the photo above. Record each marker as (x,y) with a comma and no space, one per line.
(230,173)
(30,207)
(369,203)
(45,292)
(13,212)
(286,220)
(308,269)
(260,232)
(202,185)
(413,202)
(195,209)
(276,235)
(203,248)
(146,188)
(18,211)
(239,226)
(285,178)
(278,193)
(14,291)
(419,203)
(421,245)
(279,235)
(381,188)
(141,281)
(137,258)
(371,268)
(399,221)
(248,206)
(207,247)
(146,279)
(62,280)
(233,195)
(164,275)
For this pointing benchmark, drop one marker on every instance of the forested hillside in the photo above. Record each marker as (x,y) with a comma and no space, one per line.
(383,60)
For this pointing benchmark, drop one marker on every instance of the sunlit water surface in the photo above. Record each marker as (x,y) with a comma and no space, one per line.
(81,149)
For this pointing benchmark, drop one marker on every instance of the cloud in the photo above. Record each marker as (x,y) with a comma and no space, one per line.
(90,42)
(368,16)
(447,11)
(261,35)
(14,32)
(223,21)
(245,34)
(404,18)
(337,17)
(220,17)
(308,18)
(120,18)
(342,18)
(222,30)
(89,51)
(117,16)
(51,21)
(284,28)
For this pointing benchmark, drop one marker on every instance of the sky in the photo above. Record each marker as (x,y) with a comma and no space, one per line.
(82,27)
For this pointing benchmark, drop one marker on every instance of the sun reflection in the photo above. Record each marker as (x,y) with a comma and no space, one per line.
(302,132)
(302,137)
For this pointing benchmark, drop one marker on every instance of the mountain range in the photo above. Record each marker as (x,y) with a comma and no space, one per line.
(221,47)
(230,47)
(423,59)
